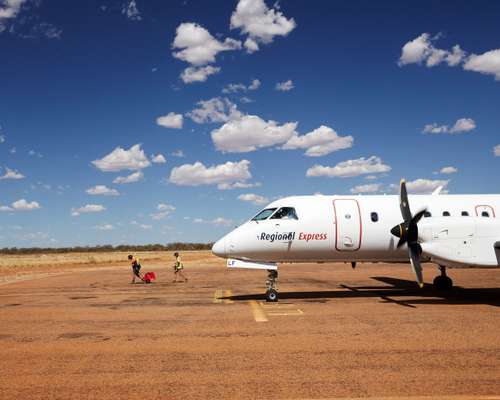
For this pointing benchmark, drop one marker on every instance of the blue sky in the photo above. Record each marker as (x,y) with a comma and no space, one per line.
(247,101)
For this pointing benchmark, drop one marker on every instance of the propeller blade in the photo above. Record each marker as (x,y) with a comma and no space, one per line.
(415,252)
(401,242)
(403,202)
(418,216)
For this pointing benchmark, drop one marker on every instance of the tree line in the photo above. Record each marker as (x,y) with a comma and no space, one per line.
(107,248)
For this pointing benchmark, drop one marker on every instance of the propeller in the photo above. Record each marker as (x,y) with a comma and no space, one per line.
(407,232)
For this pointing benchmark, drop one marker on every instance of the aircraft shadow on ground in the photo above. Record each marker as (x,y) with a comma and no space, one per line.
(406,291)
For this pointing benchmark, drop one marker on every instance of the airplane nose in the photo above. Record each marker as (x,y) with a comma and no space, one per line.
(219,248)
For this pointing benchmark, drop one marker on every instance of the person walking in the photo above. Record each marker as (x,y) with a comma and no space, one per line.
(178,267)
(136,267)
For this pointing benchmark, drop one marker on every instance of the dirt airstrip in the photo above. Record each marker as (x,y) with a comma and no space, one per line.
(83,331)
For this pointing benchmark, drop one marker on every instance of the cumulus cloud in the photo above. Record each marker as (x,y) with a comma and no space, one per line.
(422,49)
(198,74)
(253,198)
(424,186)
(285,86)
(250,133)
(163,211)
(486,63)
(240,87)
(89,208)
(319,142)
(102,190)
(197,46)
(260,23)
(104,227)
(132,178)
(220,221)
(178,153)
(238,185)
(158,159)
(214,110)
(9,9)
(462,125)
(496,150)
(223,174)
(171,120)
(2,139)
(350,168)
(120,159)
(448,170)
(11,174)
(23,205)
(5,209)
(131,11)
(369,188)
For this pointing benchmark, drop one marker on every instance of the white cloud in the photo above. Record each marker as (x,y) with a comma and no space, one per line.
(158,159)
(319,142)
(120,159)
(262,24)
(422,49)
(223,174)
(130,10)
(9,9)
(23,205)
(246,100)
(350,168)
(424,186)
(2,139)
(369,188)
(486,63)
(253,198)
(13,150)
(214,110)
(461,125)
(5,209)
(496,150)
(220,221)
(102,190)
(285,86)
(238,185)
(89,208)
(104,227)
(240,87)
(11,174)
(178,153)
(171,120)
(132,178)
(198,74)
(198,46)
(249,133)
(145,226)
(164,210)
(448,170)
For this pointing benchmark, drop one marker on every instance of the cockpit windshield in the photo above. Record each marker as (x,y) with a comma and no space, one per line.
(285,213)
(264,214)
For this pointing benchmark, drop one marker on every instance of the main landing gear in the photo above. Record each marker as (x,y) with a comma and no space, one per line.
(272,291)
(443,281)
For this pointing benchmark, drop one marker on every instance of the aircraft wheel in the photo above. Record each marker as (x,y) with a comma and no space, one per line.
(443,283)
(271,296)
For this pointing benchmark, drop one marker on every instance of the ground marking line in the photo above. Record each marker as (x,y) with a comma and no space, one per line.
(258,312)
(228,294)
(217,296)
(294,312)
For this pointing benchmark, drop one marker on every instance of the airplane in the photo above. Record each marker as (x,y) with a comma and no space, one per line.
(452,231)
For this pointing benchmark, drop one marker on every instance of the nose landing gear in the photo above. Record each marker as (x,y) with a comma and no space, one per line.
(272,291)
(443,281)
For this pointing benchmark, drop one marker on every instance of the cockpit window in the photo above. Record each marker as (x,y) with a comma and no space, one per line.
(285,213)
(264,214)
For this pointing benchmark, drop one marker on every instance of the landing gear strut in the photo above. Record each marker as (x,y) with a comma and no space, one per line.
(443,281)
(272,291)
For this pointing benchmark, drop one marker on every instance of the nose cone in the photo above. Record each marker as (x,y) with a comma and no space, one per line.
(219,248)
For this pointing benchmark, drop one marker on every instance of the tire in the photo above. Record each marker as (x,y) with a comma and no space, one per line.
(443,283)
(271,296)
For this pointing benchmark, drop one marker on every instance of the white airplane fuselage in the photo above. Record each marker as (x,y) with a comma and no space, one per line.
(461,231)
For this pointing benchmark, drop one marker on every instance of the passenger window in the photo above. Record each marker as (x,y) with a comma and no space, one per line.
(485,214)
(374,216)
(465,214)
(285,213)
(427,214)
(446,214)
(264,214)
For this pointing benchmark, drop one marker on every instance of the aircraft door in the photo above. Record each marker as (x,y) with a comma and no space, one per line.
(348,226)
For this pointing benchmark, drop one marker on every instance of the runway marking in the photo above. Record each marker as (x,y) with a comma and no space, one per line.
(258,312)
(281,309)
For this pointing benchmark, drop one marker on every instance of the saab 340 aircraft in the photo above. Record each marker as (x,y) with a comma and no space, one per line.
(456,231)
